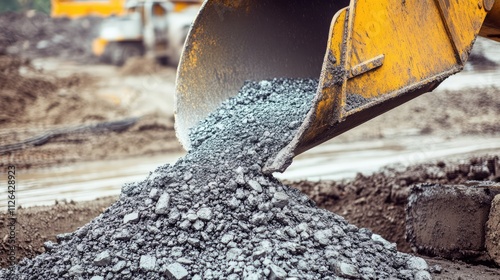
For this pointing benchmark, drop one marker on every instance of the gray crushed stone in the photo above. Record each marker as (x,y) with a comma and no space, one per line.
(102,259)
(217,223)
(346,270)
(276,272)
(119,266)
(75,270)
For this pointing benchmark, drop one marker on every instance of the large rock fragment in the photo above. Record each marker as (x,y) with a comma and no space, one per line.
(448,221)
(163,204)
(131,218)
(346,270)
(102,259)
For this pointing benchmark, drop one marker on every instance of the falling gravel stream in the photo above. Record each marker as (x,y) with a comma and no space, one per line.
(215,215)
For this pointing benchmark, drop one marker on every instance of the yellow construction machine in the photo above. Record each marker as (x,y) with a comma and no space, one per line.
(385,51)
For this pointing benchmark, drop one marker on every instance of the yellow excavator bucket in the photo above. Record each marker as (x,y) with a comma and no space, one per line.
(381,53)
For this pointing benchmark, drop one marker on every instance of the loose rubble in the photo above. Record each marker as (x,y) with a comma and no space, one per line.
(207,218)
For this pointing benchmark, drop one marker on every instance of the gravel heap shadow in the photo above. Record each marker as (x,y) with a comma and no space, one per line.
(215,215)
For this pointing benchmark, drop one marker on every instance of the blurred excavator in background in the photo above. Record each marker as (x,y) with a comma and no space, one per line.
(157,28)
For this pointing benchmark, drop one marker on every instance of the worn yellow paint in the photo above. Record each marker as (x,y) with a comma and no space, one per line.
(99,46)
(329,103)
(178,7)
(158,10)
(76,9)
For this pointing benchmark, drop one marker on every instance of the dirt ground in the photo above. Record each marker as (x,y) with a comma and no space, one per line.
(34,34)
(37,225)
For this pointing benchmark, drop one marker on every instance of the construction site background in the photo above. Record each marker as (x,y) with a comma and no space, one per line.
(25,5)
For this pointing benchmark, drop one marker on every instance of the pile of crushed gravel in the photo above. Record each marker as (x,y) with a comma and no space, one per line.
(215,215)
